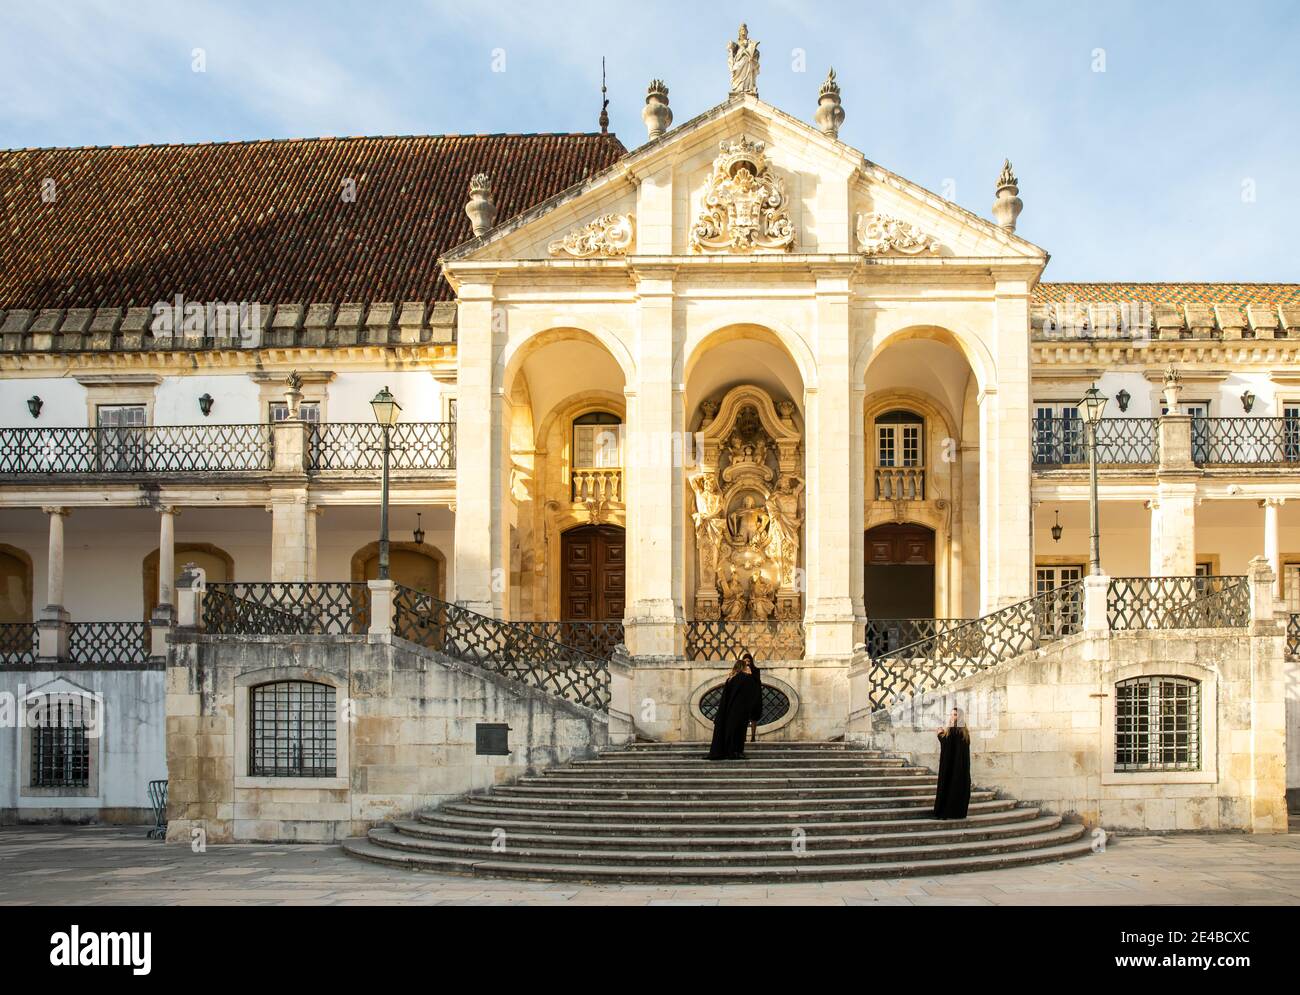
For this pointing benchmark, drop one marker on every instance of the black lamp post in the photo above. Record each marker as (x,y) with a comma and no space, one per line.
(386,412)
(1091,407)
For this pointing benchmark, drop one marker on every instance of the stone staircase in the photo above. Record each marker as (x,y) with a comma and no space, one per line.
(659,813)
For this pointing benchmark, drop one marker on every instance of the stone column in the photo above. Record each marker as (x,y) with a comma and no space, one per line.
(166,559)
(53,623)
(1173,530)
(857,509)
(313,520)
(829,612)
(289,515)
(479,523)
(655,483)
(991,556)
(1272,542)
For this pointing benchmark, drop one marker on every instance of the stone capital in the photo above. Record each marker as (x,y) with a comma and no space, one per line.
(57,510)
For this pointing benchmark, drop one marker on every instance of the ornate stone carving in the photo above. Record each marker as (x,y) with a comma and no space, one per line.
(656,114)
(742,61)
(745,206)
(1008,205)
(608,235)
(747,516)
(480,207)
(879,234)
(830,112)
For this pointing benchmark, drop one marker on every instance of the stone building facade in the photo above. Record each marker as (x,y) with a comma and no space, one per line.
(737,387)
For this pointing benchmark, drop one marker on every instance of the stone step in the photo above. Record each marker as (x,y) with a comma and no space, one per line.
(658,804)
(757,762)
(694,791)
(792,748)
(1002,812)
(677,781)
(482,807)
(914,834)
(380,851)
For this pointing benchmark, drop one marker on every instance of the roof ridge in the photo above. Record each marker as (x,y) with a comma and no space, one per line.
(225,143)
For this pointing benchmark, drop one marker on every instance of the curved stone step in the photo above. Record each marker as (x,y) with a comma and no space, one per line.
(914,835)
(986,813)
(923,797)
(684,792)
(368,849)
(676,782)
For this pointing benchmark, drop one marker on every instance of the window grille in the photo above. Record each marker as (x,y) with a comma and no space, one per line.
(1158,724)
(292,730)
(60,746)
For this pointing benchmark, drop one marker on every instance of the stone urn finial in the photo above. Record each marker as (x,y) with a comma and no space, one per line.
(1008,205)
(1173,389)
(830,114)
(656,114)
(293,395)
(480,208)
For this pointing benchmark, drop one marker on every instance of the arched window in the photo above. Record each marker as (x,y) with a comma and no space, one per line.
(292,732)
(597,441)
(1158,724)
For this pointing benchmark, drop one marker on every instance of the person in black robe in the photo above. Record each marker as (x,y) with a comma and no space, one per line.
(734,714)
(758,702)
(952,793)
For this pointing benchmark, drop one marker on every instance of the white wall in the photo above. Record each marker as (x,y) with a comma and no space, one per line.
(65,402)
(419,394)
(235,401)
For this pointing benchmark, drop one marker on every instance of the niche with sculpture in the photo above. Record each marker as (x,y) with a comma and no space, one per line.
(748,517)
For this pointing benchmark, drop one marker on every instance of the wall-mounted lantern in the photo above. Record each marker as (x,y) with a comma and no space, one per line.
(205,404)
(1123,397)
(1056,529)
(1247,401)
(34,405)
(419,532)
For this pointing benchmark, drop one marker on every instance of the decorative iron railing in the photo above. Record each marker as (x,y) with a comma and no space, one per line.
(285,608)
(506,648)
(934,661)
(1061,442)
(1293,636)
(713,639)
(596,639)
(136,450)
(1177,602)
(884,635)
(18,643)
(358,447)
(109,643)
(900,483)
(1246,441)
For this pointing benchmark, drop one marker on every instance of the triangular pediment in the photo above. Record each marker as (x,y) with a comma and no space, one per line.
(675,197)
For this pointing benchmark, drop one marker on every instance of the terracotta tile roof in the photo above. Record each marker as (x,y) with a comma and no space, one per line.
(1170,293)
(263,221)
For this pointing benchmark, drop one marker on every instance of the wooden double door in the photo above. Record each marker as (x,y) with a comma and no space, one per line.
(899,580)
(593,573)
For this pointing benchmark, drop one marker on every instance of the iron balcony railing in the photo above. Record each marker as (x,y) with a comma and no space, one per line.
(885,635)
(170,449)
(969,647)
(109,644)
(358,447)
(596,639)
(18,643)
(713,639)
(1246,441)
(1293,636)
(507,648)
(275,608)
(1177,602)
(177,450)
(1063,442)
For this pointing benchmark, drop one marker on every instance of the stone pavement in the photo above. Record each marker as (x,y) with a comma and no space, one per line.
(66,865)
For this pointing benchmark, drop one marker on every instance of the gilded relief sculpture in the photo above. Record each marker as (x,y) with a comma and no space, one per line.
(747,515)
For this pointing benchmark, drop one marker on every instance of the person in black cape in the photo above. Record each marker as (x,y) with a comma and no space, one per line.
(952,793)
(735,711)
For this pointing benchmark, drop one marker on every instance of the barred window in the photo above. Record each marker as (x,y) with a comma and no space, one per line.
(60,746)
(292,732)
(1158,724)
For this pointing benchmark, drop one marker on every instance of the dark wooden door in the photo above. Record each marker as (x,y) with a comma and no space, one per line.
(594,573)
(899,579)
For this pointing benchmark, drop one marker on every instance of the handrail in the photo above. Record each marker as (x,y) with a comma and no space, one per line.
(1177,602)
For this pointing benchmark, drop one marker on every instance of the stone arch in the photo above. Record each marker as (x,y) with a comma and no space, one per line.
(184,554)
(762,328)
(514,354)
(971,346)
(17,576)
(370,551)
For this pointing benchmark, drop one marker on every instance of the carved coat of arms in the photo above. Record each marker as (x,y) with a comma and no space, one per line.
(745,205)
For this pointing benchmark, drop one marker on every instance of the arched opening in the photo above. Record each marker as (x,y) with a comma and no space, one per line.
(15,585)
(419,566)
(899,577)
(217,565)
(594,573)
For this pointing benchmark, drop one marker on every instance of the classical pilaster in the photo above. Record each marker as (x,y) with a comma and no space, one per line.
(479,432)
(289,555)
(857,508)
(1272,543)
(654,473)
(53,624)
(831,424)
(1173,530)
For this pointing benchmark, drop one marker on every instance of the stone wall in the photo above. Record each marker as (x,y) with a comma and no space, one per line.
(1042,729)
(405,734)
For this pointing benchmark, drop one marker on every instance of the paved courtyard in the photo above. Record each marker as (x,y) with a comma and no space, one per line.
(59,865)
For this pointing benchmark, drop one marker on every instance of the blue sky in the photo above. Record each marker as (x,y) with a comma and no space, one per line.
(1179,161)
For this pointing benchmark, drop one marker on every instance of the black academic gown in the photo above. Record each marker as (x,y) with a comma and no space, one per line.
(734,710)
(952,794)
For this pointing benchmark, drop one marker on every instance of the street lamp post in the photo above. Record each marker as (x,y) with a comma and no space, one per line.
(386,412)
(1091,407)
